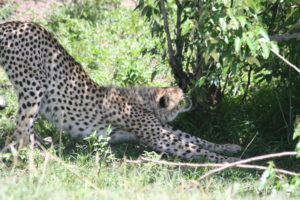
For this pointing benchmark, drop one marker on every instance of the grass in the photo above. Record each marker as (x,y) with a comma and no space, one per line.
(112,178)
(109,40)
(6,9)
(72,175)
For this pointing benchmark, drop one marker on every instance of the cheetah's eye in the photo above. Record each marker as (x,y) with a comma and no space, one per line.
(163,102)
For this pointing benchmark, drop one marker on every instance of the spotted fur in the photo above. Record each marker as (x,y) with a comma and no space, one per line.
(50,82)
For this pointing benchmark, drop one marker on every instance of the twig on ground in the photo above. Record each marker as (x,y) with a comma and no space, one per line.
(240,164)
(286,61)
(263,157)
(162,162)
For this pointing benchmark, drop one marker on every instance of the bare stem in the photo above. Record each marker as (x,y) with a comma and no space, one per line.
(286,61)
(286,36)
(167,30)
(179,42)
(174,60)
(248,84)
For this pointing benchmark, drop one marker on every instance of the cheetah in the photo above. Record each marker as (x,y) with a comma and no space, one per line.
(48,81)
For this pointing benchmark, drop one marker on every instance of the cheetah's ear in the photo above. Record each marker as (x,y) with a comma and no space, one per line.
(164,102)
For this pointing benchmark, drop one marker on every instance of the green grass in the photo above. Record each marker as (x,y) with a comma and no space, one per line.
(80,174)
(109,40)
(6,10)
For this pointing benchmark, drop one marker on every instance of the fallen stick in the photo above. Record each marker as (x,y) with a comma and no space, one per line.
(162,162)
(286,61)
(263,157)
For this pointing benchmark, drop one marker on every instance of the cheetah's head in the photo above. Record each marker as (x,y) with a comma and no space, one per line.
(169,102)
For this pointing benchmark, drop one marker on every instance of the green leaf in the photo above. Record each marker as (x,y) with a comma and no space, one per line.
(298,150)
(223,23)
(237,44)
(264,34)
(215,55)
(225,69)
(201,81)
(297,134)
(265,49)
(267,177)
(242,20)
(274,47)
(252,10)
(140,5)
(234,23)
(234,69)
(297,127)
(153,75)
(226,40)
(206,57)
(253,60)
(252,44)
(186,27)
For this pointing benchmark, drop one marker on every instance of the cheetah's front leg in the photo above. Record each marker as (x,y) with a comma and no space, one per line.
(220,148)
(29,105)
(150,131)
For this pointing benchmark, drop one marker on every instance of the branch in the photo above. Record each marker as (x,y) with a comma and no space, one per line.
(166,25)
(286,36)
(199,65)
(263,157)
(248,84)
(226,82)
(286,61)
(162,162)
(269,9)
(175,63)
(179,45)
(274,14)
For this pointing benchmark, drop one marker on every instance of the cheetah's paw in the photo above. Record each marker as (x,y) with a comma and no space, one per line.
(232,148)
(232,159)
